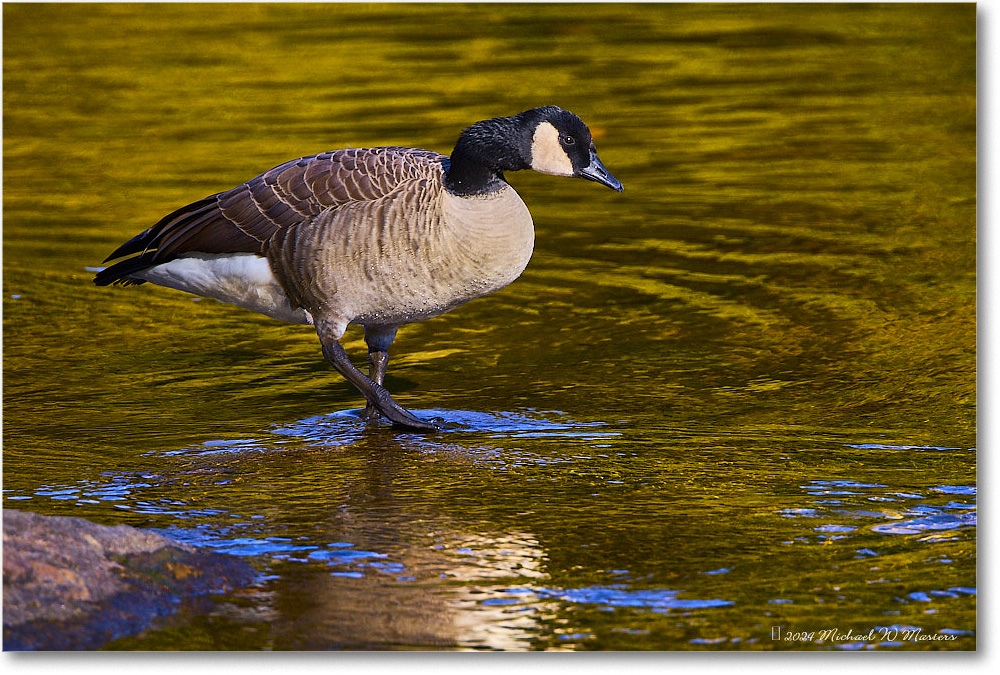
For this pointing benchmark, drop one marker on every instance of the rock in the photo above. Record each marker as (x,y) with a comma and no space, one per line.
(70,584)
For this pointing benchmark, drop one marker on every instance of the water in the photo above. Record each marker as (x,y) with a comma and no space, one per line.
(732,408)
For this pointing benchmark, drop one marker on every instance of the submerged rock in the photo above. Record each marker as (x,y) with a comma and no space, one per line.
(70,584)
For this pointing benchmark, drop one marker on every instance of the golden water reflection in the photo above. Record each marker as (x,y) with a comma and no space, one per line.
(785,294)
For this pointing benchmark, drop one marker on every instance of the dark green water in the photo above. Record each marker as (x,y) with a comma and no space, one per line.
(734,404)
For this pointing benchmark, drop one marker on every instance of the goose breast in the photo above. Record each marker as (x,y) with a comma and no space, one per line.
(410,255)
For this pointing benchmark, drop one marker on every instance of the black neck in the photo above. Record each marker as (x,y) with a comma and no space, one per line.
(467,177)
(482,154)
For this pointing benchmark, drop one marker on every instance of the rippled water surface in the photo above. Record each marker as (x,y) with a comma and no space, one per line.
(731,408)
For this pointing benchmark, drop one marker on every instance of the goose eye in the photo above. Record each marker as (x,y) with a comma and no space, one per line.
(569,140)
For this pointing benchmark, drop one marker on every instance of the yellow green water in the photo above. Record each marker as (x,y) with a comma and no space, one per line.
(737,398)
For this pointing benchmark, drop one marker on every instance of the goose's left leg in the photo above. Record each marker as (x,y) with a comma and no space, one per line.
(378,339)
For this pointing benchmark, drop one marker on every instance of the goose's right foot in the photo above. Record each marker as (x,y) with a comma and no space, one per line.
(389,409)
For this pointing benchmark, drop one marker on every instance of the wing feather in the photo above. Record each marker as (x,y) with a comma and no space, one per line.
(244,219)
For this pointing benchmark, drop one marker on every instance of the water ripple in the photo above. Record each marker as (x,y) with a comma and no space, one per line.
(944,521)
(918,513)
(620,596)
(346,426)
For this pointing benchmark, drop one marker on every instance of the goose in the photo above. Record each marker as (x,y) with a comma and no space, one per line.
(381,237)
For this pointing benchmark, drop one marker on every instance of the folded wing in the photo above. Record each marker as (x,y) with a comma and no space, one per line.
(244,219)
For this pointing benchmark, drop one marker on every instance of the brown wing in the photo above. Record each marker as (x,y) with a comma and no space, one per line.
(245,218)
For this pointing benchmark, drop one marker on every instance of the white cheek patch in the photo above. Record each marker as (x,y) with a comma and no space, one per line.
(547,156)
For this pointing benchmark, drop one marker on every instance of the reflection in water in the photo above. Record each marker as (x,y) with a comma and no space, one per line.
(376,568)
(497,428)
(386,590)
(623,597)
(878,502)
(943,521)
(343,426)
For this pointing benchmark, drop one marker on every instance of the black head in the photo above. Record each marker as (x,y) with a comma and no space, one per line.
(561,145)
(549,140)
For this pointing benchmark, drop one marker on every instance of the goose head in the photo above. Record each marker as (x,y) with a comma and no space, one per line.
(549,140)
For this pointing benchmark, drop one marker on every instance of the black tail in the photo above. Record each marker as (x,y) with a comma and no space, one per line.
(146,243)
(120,273)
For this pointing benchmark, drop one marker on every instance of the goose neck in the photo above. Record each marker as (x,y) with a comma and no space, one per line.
(482,154)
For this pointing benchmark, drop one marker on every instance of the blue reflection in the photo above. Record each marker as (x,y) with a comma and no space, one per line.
(944,521)
(617,596)
(923,517)
(345,426)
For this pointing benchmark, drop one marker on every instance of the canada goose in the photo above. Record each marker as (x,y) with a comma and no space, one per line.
(380,237)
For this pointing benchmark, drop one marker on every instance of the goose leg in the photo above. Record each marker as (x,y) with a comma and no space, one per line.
(378,339)
(329,336)
(377,362)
